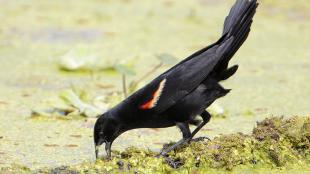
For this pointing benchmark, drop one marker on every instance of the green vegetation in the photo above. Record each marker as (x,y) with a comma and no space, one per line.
(276,143)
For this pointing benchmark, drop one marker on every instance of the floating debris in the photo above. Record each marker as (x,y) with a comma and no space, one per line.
(70,105)
(83,108)
(82,60)
(217,110)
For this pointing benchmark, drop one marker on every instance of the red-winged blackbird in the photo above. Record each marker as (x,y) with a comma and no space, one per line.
(184,91)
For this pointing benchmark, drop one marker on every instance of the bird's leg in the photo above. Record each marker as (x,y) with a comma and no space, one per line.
(206,118)
(184,127)
(187,136)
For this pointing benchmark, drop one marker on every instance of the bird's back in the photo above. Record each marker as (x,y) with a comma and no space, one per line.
(171,87)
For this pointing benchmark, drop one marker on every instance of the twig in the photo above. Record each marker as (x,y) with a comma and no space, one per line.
(149,73)
(124,85)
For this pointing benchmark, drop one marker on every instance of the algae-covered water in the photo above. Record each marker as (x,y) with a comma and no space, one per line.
(273,78)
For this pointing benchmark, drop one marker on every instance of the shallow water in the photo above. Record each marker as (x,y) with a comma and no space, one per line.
(272,80)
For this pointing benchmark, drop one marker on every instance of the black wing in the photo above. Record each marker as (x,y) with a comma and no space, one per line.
(184,77)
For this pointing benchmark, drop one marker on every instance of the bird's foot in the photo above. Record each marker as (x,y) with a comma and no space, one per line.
(107,158)
(201,139)
(167,149)
(163,153)
(172,163)
(159,155)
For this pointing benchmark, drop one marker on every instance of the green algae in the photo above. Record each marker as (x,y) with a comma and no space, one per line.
(274,63)
(284,141)
(276,143)
(15,168)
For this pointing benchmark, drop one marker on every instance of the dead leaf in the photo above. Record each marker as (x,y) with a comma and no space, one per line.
(71,145)
(51,145)
(3,103)
(76,136)
(25,95)
(158,143)
(155,129)
(104,86)
(261,109)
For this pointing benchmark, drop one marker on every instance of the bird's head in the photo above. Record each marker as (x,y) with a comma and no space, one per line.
(106,130)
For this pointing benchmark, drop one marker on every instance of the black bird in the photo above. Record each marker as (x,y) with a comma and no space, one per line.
(184,91)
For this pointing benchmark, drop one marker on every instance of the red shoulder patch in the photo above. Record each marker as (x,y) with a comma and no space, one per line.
(155,96)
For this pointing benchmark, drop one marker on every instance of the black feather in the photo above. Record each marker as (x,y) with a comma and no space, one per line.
(237,24)
(228,72)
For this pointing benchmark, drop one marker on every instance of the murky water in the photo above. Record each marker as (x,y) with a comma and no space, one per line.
(272,80)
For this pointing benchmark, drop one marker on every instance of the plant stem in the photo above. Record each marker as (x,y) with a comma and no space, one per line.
(149,73)
(124,85)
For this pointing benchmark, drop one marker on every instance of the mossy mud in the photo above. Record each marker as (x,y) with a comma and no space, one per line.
(276,145)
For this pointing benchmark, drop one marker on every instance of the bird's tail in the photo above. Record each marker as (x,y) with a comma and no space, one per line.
(237,25)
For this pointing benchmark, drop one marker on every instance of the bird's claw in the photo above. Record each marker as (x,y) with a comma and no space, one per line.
(162,153)
(173,163)
(107,158)
(201,139)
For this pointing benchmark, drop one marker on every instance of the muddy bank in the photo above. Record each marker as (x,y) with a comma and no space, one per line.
(275,145)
